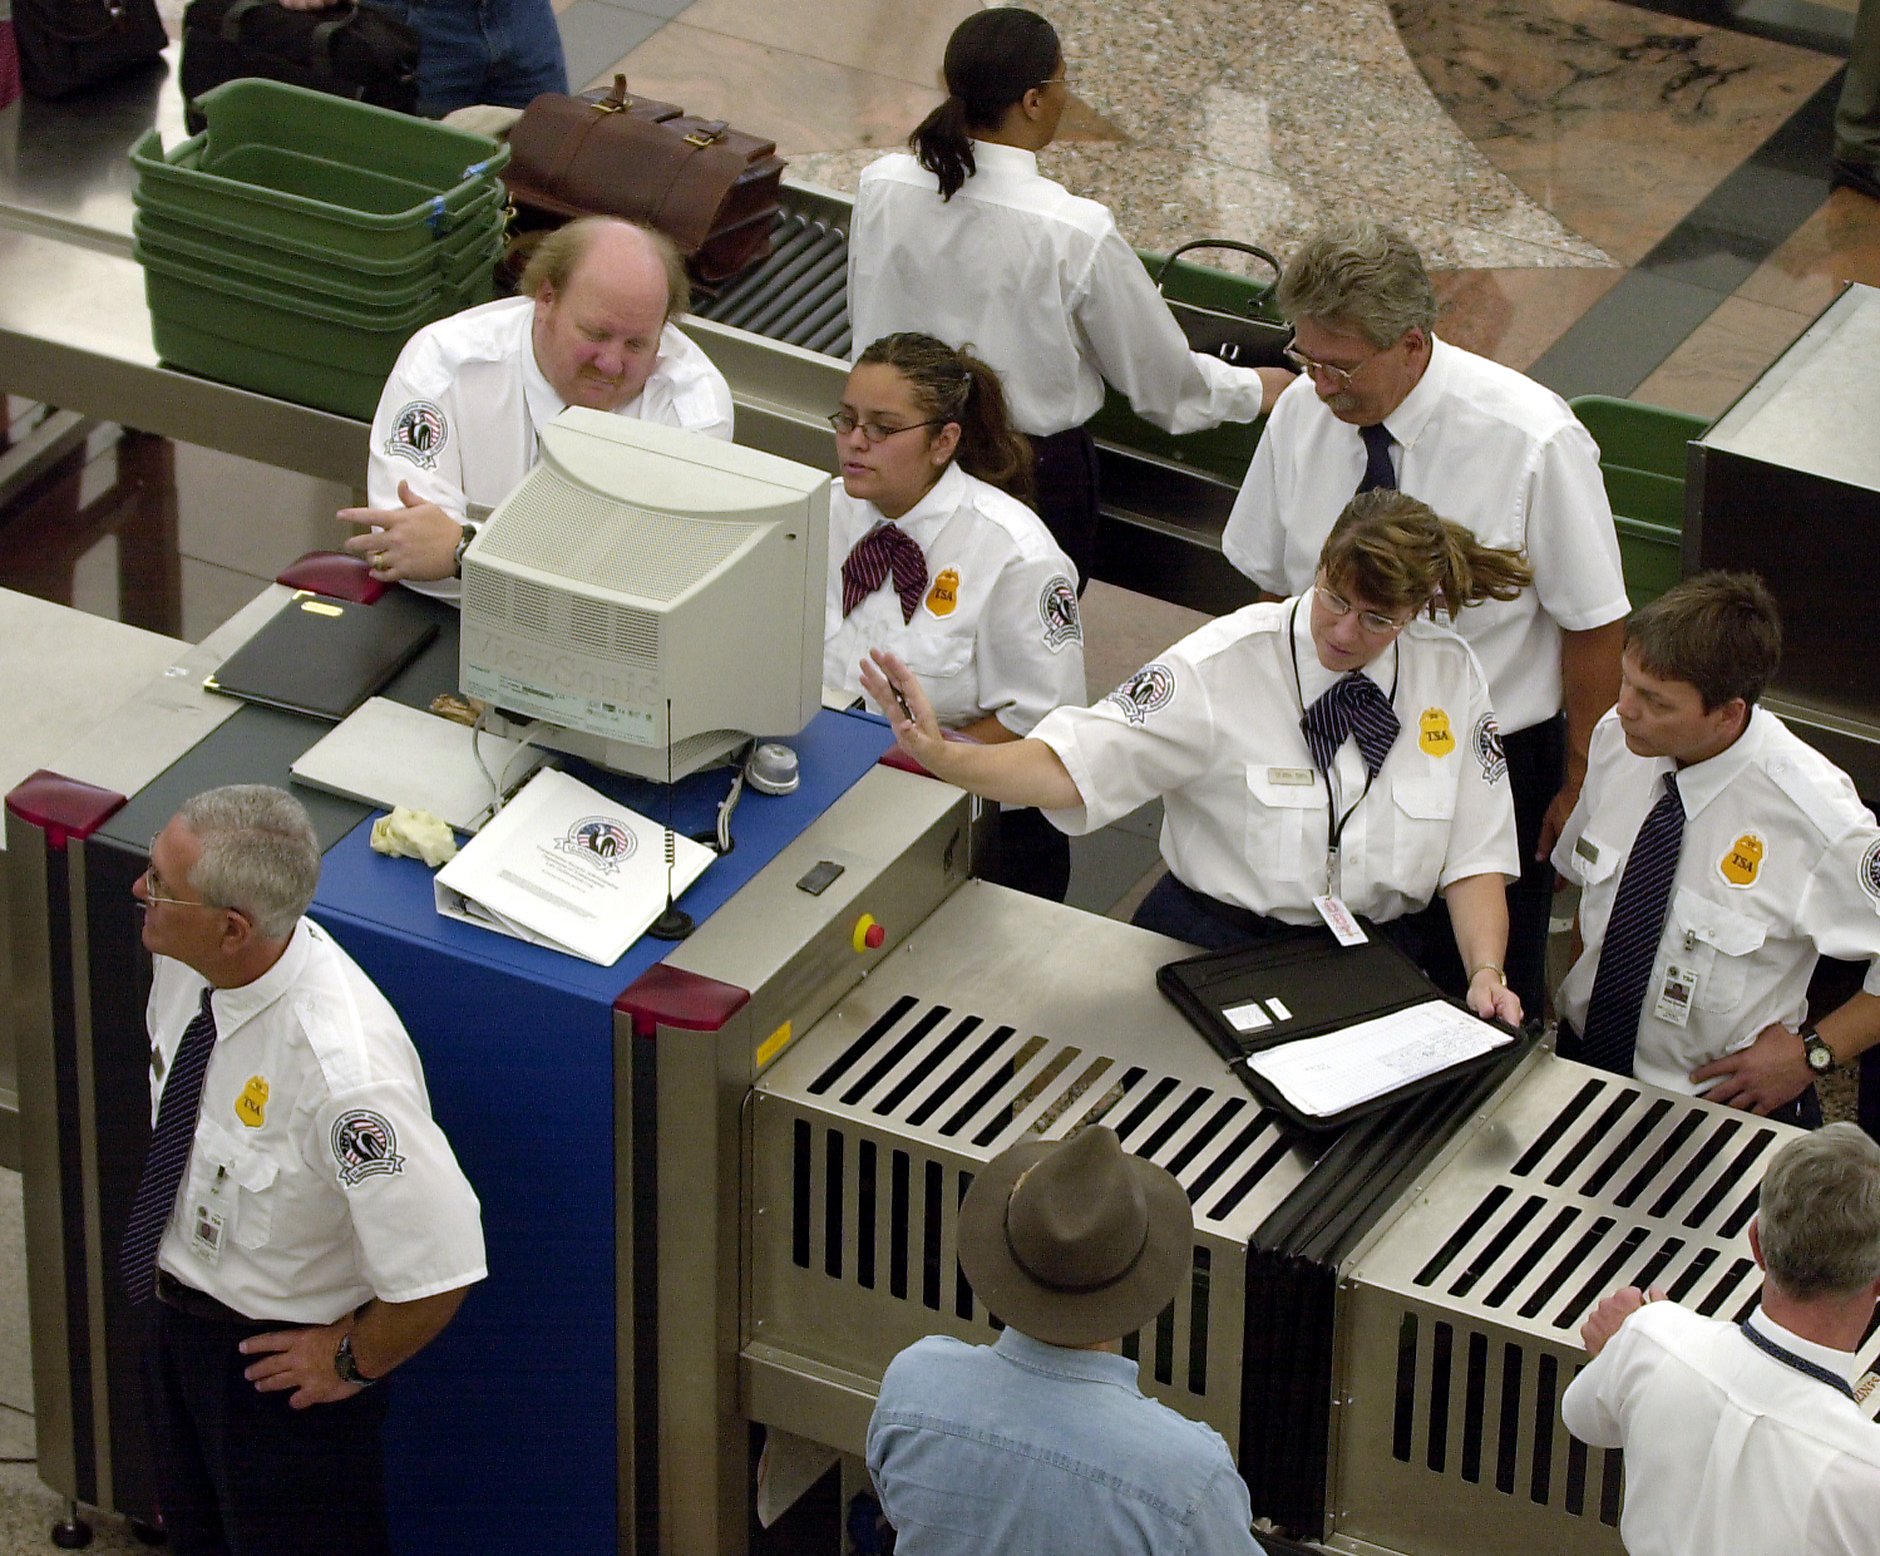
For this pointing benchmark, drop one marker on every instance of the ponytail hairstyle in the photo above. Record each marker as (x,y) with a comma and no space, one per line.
(993,59)
(956,386)
(1396,553)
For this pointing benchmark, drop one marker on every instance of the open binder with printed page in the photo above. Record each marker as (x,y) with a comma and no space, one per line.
(563,866)
(1324,1033)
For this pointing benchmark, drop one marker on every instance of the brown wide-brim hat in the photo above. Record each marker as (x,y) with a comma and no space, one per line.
(1074,1241)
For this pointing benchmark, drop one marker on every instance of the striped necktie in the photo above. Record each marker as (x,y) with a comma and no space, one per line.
(169,1153)
(1378,470)
(1630,946)
(887,548)
(1355,705)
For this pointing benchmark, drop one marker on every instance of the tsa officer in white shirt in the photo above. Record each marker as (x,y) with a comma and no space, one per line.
(1718,856)
(459,422)
(966,240)
(1743,1439)
(936,558)
(1334,748)
(1386,403)
(301,1221)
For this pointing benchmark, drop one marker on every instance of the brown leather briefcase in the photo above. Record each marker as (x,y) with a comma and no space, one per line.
(712,189)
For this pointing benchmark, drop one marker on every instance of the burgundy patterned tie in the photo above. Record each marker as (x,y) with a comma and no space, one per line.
(885,549)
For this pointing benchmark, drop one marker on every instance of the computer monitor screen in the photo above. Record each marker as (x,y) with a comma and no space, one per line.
(655,597)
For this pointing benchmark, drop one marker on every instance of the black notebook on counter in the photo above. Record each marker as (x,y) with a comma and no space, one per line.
(1303,985)
(323,657)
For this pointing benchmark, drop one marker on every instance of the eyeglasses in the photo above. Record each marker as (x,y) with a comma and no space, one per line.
(1372,621)
(1066,81)
(153,887)
(1340,376)
(872,431)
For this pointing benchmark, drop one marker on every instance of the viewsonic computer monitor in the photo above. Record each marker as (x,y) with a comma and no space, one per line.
(646,587)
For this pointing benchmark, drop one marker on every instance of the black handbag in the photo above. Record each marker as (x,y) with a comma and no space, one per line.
(68,45)
(1256,337)
(356,51)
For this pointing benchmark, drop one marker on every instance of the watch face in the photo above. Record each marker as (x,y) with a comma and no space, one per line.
(1819,1059)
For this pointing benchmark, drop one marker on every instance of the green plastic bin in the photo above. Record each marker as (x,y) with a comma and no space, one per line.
(1642,455)
(1224,451)
(311,170)
(304,349)
(250,112)
(183,246)
(241,245)
(187,189)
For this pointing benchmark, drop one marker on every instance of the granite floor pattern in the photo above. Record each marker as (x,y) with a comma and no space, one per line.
(1576,170)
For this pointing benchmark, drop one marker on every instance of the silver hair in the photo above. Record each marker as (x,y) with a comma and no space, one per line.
(260,854)
(1819,1215)
(1359,277)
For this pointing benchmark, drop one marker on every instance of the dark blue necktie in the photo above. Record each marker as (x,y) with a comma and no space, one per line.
(1355,705)
(1378,470)
(1630,946)
(169,1153)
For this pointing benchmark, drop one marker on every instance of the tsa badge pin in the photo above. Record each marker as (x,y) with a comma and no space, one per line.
(251,1107)
(1057,609)
(1742,861)
(365,1146)
(943,599)
(1486,740)
(602,841)
(1149,690)
(1434,733)
(419,433)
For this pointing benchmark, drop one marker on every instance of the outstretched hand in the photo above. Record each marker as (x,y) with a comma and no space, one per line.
(897,692)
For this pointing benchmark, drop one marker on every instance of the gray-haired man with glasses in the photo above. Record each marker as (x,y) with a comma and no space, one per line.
(301,1226)
(1383,402)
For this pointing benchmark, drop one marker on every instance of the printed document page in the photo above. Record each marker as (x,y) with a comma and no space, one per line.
(561,865)
(1323,1076)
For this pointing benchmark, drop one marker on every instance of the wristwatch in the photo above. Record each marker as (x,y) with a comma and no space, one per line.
(465,534)
(1820,1056)
(347,1366)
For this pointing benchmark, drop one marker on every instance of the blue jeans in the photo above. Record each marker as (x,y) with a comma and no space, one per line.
(484,51)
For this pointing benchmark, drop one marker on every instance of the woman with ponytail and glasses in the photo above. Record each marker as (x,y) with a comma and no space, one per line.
(1339,744)
(966,241)
(934,556)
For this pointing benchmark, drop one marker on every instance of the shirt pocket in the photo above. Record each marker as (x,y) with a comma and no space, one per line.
(1718,943)
(1424,806)
(246,1174)
(1277,814)
(944,663)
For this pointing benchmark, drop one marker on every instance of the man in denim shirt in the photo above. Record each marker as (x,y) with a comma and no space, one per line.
(1044,1441)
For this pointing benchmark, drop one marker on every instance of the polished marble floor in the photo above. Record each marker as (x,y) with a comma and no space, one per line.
(1629,198)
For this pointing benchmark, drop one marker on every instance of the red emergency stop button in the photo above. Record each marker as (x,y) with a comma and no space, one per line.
(869,935)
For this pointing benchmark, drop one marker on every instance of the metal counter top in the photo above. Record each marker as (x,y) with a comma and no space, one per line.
(1813,410)
(65,167)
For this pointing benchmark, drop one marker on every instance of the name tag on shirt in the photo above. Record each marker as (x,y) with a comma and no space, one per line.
(1587,849)
(1291,777)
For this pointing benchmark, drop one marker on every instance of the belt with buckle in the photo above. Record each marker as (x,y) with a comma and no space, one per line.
(192,1303)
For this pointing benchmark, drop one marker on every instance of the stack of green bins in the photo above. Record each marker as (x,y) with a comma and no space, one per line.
(294,246)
